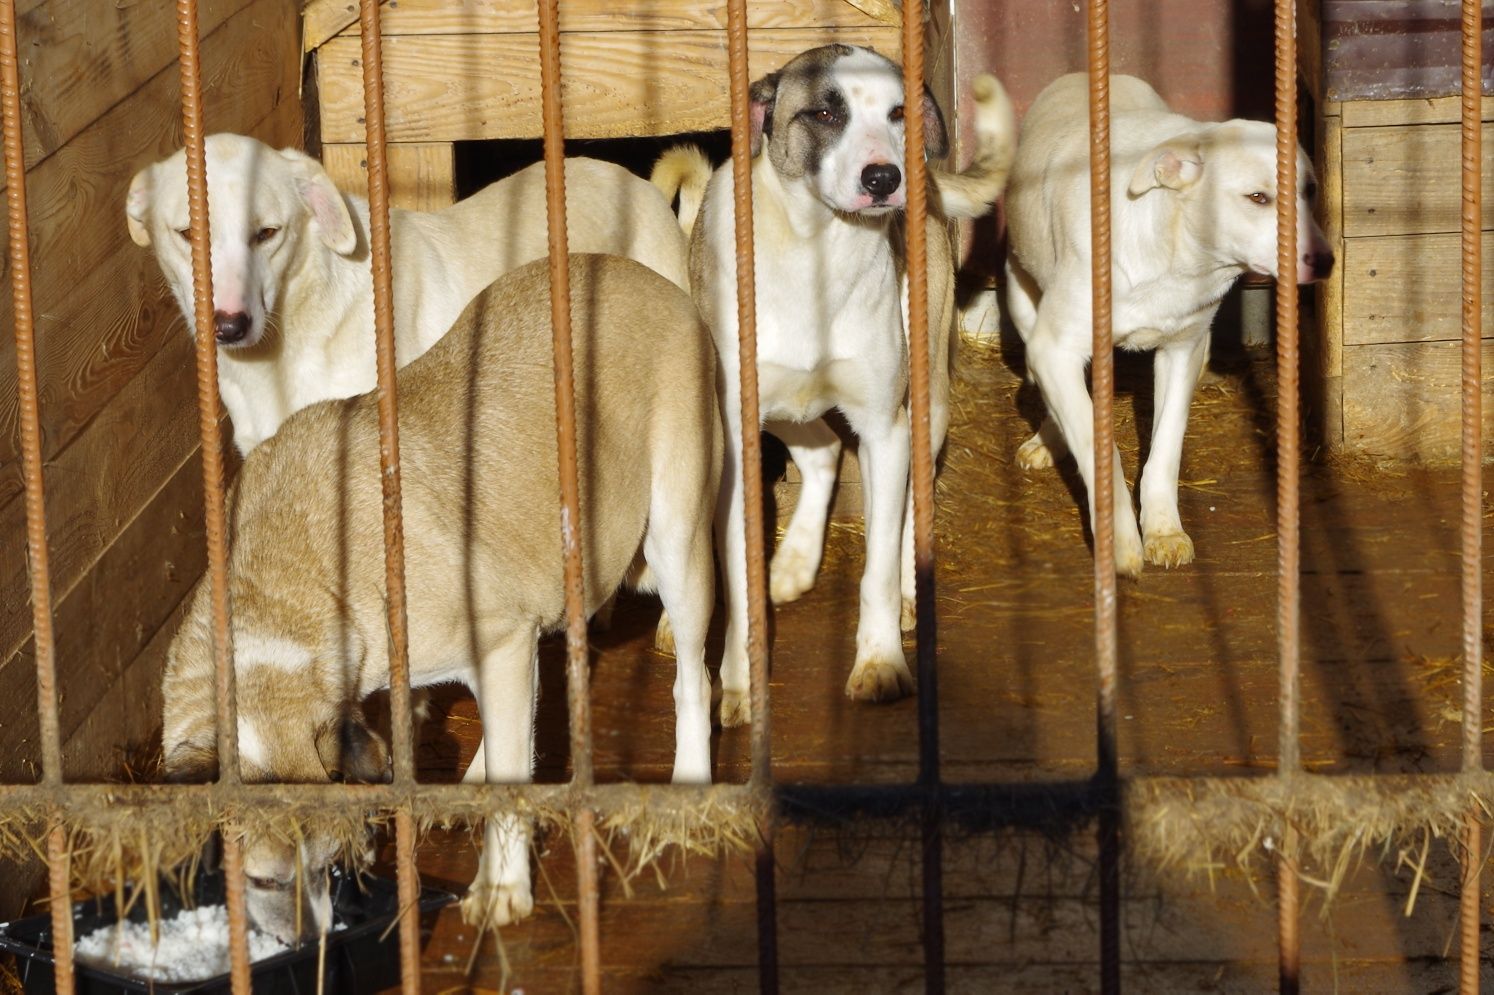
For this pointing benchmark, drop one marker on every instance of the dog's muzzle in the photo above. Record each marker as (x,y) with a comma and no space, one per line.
(881,179)
(1320,263)
(230,329)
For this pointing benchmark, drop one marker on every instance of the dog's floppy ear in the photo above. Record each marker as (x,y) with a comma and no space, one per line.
(763,94)
(350,751)
(137,205)
(328,207)
(190,762)
(935,135)
(1175,164)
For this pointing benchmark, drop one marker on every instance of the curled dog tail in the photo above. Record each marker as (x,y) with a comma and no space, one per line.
(683,170)
(970,194)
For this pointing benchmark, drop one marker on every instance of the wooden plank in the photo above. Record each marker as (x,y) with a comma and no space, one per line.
(624,83)
(1408,288)
(1403,400)
(422,175)
(1331,214)
(104,623)
(101,481)
(1404,180)
(83,57)
(100,300)
(325,19)
(1437,110)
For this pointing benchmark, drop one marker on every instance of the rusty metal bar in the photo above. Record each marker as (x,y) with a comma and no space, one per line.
(752,480)
(578,652)
(1288,457)
(60,898)
(215,518)
(1473,592)
(922,466)
(400,725)
(1102,380)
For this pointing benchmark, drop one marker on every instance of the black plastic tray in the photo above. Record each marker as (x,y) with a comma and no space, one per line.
(358,960)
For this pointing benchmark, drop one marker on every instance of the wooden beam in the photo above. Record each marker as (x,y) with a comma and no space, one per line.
(1403,180)
(325,19)
(79,61)
(422,175)
(100,302)
(1437,110)
(444,88)
(1402,400)
(1406,288)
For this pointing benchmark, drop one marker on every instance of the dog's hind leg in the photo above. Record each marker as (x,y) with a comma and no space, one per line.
(815,449)
(1059,372)
(508,682)
(736,701)
(1176,367)
(1045,448)
(678,547)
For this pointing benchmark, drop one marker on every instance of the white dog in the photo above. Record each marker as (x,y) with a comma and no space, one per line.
(827,197)
(292,288)
(1193,208)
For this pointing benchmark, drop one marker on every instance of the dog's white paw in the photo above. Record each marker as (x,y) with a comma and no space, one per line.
(488,905)
(1128,550)
(736,709)
(1169,549)
(791,574)
(880,678)
(664,635)
(1034,454)
(909,620)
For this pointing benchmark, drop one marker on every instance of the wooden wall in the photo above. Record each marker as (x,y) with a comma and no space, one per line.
(101,99)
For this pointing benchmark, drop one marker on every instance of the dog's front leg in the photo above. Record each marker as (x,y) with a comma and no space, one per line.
(1059,372)
(1176,367)
(881,672)
(507,685)
(815,449)
(731,543)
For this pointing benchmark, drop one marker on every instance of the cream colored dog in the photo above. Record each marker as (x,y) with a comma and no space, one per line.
(1193,209)
(292,288)
(483,554)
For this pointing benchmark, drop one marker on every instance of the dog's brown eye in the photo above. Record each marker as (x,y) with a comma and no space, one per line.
(268,884)
(1258,198)
(186,234)
(896,115)
(264,235)
(826,116)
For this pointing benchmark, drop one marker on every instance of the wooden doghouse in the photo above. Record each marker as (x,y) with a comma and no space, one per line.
(1384,78)
(464,70)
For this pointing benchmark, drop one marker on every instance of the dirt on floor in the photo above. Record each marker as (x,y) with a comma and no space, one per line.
(1380,693)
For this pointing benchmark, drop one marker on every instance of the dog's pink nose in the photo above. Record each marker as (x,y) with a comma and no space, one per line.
(1319,262)
(230,328)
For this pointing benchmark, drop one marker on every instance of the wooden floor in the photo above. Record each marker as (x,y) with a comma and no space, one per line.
(1017,689)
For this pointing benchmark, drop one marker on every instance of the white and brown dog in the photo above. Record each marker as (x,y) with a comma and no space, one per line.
(828,189)
(1193,208)
(483,556)
(292,288)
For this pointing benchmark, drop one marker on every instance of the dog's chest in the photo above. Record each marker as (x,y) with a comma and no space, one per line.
(1160,313)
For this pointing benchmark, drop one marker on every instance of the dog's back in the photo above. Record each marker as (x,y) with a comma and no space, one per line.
(478,460)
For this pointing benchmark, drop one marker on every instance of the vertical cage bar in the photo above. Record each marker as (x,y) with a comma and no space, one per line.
(922,465)
(1102,380)
(1472,413)
(752,481)
(1288,456)
(215,519)
(577,649)
(400,725)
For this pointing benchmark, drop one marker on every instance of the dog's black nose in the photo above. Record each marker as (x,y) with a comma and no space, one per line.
(230,328)
(881,179)
(1321,263)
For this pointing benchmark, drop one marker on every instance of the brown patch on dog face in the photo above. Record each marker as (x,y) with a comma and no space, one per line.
(796,140)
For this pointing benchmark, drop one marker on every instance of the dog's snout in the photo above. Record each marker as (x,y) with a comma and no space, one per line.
(1320,261)
(881,179)
(230,328)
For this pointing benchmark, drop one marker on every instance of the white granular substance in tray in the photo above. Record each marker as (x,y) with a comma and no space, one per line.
(193,946)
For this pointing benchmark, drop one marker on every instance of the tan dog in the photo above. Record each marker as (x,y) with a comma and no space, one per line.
(292,289)
(484,563)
